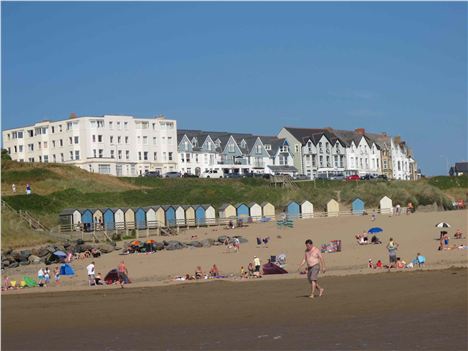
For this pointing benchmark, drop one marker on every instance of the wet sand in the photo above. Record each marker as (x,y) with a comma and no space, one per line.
(418,310)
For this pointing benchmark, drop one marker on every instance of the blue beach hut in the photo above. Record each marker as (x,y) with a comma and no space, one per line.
(140,218)
(200,214)
(170,213)
(357,206)
(87,216)
(242,210)
(109,221)
(293,209)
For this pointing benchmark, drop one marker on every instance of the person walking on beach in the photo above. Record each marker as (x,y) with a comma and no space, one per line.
(13,188)
(28,189)
(91,273)
(392,248)
(315,264)
(123,274)
(257,265)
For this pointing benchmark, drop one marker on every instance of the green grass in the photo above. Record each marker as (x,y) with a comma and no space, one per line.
(58,187)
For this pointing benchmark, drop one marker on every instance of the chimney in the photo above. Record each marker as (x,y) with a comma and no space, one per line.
(397,140)
(360,131)
(72,115)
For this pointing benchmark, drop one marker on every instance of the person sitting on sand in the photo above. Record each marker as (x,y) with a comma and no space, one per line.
(370,264)
(375,240)
(199,273)
(458,234)
(420,260)
(399,263)
(98,279)
(378,264)
(446,239)
(251,270)
(214,272)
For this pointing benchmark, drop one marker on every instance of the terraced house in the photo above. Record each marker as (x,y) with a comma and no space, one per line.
(237,153)
(330,151)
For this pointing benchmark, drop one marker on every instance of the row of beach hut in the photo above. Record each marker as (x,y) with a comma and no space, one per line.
(173,215)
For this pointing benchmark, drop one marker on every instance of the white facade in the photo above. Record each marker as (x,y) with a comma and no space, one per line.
(401,161)
(363,159)
(116,145)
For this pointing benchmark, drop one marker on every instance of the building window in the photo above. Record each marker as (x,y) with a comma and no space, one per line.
(119,154)
(30,147)
(77,155)
(112,154)
(62,159)
(101,153)
(118,126)
(94,138)
(70,140)
(126,125)
(111,139)
(45,144)
(145,140)
(154,139)
(111,125)
(95,153)
(104,169)
(54,157)
(77,140)
(100,124)
(127,154)
(145,156)
(155,156)
(164,156)
(169,142)
(71,155)
(119,139)
(20,148)
(231,147)
(139,155)
(31,133)
(99,138)
(170,156)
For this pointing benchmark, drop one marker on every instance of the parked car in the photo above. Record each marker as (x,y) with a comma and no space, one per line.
(301,177)
(353,177)
(172,175)
(152,174)
(215,173)
(234,175)
(368,177)
(189,175)
(382,177)
(336,176)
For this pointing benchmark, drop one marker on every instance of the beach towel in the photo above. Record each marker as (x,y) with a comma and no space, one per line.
(30,282)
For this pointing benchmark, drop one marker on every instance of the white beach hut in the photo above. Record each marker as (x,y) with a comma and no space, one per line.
(333,208)
(386,205)
(307,209)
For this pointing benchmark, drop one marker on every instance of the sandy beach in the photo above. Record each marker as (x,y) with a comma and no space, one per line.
(414,233)
(400,310)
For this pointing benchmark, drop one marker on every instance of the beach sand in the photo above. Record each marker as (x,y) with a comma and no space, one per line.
(415,233)
(418,310)
(405,310)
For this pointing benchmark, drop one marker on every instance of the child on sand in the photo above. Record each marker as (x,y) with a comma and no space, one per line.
(57,276)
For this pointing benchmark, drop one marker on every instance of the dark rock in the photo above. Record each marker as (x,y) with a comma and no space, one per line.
(24,263)
(24,254)
(51,249)
(83,247)
(10,258)
(222,238)
(35,251)
(67,244)
(51,259)
(16,255)
(42,252)
(105,248)
(13,265)
(5,264)
(206,242)
(195,244)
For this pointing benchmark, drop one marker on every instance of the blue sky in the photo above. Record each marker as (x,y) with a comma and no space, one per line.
(246,67)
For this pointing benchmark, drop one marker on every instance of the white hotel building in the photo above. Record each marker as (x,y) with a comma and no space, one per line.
(116,145)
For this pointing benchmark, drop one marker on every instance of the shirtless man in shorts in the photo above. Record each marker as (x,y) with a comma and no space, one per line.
(315,264)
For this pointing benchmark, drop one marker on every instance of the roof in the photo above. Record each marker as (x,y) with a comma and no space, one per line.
(68,211)
(265,203)
(224,206)
(250,204)
(461,167)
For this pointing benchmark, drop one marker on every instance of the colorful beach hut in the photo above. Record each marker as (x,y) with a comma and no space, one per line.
(87,216)
(129,215)
(150,217)
(97,215)
(386,205)
(307,209)
(170,215)
(189,214)
(210,214)
(119,217)
(109,221)
(227,211)
(70,217)
(140,218)
(160,215)
(180,215)
(200,214)
(357,206)
(293,209)
(255,211)
(333,208)
(268,210)
(242,210)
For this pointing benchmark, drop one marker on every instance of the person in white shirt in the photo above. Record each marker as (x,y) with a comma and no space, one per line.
(91,274)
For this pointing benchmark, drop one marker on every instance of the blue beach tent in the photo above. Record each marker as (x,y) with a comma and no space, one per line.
(66,269)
